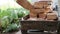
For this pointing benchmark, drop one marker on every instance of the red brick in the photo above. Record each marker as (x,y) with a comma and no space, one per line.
(33,15)
(42,15)
(39,10)
(42,4)
(51,16)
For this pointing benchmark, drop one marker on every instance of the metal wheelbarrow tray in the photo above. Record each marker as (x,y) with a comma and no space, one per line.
(39,25)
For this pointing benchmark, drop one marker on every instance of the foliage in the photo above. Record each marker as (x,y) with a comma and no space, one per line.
(10,18)
(10,14)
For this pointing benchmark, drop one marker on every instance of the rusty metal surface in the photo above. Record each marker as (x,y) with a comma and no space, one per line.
(41,25)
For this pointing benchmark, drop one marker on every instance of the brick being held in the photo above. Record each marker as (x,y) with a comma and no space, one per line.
(41,4)
(39,10)
(47,10)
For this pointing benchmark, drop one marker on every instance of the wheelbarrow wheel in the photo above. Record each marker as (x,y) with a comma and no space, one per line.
(24,31)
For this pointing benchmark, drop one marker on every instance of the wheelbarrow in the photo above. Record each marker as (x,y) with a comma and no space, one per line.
(39,25)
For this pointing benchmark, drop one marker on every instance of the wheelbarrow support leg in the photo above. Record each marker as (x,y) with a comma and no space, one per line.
(24,31)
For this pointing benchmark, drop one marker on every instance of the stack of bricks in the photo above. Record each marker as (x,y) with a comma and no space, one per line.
(44,10)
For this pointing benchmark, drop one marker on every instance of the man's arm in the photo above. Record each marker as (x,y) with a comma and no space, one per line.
(25,4)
